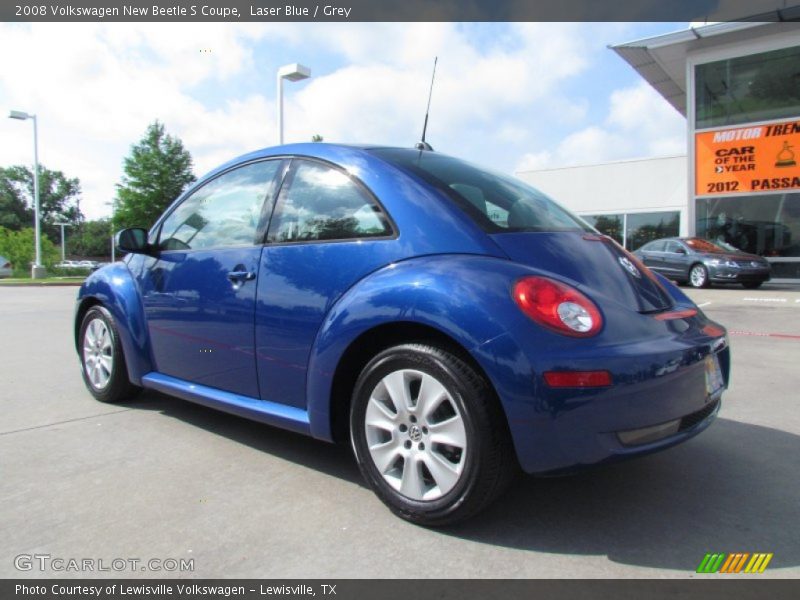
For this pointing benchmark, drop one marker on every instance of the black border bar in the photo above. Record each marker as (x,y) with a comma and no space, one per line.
(715,587)
(397,10)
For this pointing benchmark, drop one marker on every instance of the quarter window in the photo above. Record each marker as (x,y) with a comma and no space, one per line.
(224,212)
(322,203)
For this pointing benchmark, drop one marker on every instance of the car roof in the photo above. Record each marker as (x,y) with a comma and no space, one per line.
(320,150)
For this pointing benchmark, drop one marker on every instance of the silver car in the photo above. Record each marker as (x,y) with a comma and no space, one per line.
(700,262)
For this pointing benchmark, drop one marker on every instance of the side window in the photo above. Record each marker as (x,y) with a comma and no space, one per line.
(224,212)
(654,247)
(322,203)
(673,247)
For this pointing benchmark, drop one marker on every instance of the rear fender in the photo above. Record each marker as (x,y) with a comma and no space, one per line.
(461,296)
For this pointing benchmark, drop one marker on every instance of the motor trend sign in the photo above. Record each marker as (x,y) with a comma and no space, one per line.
(748,160)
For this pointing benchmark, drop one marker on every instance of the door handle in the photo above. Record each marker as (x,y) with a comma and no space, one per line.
(241,276)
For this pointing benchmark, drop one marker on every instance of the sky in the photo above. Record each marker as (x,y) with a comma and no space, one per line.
(510,96)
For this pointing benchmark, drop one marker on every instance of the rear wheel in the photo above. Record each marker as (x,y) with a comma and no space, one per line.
(102,360)
(429,435)
(698,276)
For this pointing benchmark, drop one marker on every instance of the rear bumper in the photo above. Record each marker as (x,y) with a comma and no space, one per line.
(659,398)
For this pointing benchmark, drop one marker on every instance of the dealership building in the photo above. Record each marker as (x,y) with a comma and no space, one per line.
(738,85)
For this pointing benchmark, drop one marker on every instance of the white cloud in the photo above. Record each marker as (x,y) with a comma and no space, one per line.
(95,88)
(481,96)
(640,123)
(498,89)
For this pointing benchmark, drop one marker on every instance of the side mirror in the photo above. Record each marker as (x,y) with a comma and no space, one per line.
(680,250)
(133,240)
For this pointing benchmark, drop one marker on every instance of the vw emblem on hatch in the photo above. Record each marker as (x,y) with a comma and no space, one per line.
(629,266)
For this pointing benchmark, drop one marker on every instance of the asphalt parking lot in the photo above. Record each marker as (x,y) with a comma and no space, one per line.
(160,478)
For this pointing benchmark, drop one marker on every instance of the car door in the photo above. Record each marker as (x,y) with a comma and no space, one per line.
(199,288)
(653,256)
(327,232)
(676,262)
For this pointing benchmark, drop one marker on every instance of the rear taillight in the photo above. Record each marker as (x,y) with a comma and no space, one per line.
(557,306)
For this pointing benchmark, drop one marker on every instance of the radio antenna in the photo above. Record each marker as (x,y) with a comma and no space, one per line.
(423,145)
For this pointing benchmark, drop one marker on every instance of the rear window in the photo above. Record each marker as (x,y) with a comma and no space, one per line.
(700,245)
(498,203)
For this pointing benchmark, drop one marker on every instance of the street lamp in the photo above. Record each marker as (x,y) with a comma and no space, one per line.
(37,271)
(293,72)
(62,225)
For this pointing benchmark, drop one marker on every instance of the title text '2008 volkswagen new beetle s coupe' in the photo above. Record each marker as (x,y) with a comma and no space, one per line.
(451,323)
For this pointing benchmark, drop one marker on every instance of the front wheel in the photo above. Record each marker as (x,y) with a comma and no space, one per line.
(102,360)
(429,435)
(698,276)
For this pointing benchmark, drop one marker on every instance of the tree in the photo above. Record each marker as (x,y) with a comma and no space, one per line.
(92,238)
(59,199)
(157,170)
(14,212)
(19,248)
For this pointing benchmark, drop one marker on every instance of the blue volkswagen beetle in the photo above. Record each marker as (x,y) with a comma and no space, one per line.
(452,323)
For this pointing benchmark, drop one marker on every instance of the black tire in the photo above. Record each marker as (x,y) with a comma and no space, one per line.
(489,461)
(752,285)
(698,276)
(118,387)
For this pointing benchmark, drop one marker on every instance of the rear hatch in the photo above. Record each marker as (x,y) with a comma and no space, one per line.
(592,261)
(534,230)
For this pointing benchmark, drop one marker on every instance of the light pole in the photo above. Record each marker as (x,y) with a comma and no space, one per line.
(293,72)
(37,271)
(63,252)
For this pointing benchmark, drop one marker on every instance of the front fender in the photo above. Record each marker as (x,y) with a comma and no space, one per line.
(113,286)
(465,297)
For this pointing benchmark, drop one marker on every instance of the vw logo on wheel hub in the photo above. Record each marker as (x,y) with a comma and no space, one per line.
(415,433)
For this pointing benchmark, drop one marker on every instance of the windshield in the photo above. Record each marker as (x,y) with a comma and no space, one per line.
(498,203)
(699,245)
(727,246)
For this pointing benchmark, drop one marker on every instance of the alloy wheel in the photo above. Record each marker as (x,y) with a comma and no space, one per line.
(416,435)
(698,276)
(98,353)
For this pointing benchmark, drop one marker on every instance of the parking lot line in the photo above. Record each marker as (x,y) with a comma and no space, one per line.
(758,334)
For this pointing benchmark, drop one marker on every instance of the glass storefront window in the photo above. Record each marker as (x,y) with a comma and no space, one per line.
(641,228)
(610,225)
(758,87)
(765,225)
(636,229)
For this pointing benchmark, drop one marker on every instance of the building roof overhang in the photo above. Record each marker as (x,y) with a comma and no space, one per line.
(661,60)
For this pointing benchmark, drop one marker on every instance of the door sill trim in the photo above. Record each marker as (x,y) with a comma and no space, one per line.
(263,411)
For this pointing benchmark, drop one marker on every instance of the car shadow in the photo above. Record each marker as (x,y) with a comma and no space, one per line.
(734,488)
(331,459)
